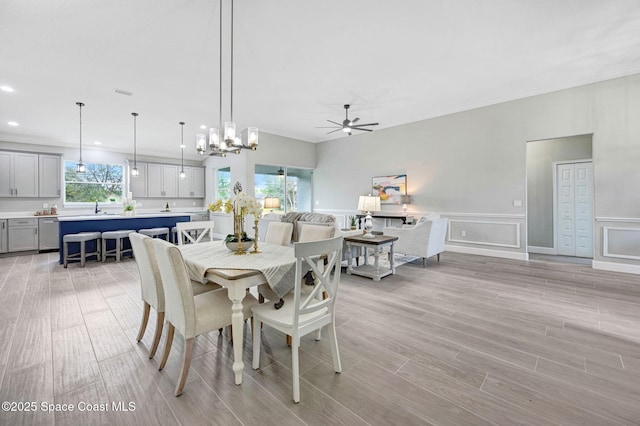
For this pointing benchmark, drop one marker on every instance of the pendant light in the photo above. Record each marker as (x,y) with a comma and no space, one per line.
(134,170)
(230,141)
(182,173)
(81,168)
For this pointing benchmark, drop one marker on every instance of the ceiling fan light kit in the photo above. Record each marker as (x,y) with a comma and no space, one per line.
(347,126)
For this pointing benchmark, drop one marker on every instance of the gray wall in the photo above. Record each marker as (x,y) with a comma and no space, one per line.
(540,158)
(471,165)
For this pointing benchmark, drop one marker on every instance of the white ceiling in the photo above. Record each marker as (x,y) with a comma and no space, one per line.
(296,63)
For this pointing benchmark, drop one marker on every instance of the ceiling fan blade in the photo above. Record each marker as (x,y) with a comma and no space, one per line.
(367,124)
(364,130)
(338,124)
(354,121)
(333,131)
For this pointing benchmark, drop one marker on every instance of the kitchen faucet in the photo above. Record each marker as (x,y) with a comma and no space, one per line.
(98,210)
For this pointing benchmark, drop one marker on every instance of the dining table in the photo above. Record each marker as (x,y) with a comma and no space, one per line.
(213,262)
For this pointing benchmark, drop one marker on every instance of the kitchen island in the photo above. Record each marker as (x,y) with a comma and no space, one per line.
(114,222)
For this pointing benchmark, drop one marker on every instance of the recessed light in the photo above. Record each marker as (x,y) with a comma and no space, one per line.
(12,123)
(122,92)
(97,142)
(203,127)
(6,89)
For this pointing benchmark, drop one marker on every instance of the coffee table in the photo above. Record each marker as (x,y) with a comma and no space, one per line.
(377,243)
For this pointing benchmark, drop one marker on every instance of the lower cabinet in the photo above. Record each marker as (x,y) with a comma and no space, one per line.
(3,235)
(23,234)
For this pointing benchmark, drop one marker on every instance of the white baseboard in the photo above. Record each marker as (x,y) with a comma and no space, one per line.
(487,252)
(542,250)
(616,267)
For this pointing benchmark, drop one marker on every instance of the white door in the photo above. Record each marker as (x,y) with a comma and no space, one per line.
(584,209)
(574,222)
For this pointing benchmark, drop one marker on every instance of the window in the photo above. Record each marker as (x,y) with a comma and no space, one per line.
(223,186)
(101,182)
(291,185)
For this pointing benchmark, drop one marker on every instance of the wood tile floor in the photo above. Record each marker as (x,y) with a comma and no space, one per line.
(469,341)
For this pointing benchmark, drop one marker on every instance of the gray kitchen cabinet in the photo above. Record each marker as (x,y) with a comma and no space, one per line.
(138,184)
(162,180)
(23,234)
(18,174)
(3,236)
(50,175)
(192,186)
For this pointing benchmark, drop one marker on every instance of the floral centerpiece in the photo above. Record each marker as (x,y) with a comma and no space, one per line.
(241,206)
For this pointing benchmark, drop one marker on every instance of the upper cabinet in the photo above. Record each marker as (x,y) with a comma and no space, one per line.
(192,186)
(50,175)
(157,180)
(138,184)
(162,180)
(18,174)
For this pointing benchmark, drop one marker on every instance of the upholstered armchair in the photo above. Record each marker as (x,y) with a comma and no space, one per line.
(425,239)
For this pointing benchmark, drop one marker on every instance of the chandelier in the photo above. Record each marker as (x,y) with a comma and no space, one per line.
(228,141)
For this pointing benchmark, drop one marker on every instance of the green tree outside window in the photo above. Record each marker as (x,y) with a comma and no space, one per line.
(101,182)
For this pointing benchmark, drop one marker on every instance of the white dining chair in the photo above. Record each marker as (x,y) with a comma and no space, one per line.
(151,286)
(192,315)
(304,313)
(194,232)
(308,233)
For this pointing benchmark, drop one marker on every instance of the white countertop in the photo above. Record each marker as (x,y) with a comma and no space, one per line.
(101,216)
(70,215)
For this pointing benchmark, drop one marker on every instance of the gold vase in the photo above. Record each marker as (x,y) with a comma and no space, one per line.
(238,225)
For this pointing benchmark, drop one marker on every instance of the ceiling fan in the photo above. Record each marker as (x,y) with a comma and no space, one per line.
(347,125)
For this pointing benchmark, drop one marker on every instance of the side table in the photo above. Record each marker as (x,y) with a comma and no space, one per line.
(375,271)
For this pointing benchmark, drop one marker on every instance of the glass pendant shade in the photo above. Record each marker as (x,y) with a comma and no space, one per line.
(81,168)
(229,133)
(201,143)
(182,174)
(252,137)
(214,138)
(135,171)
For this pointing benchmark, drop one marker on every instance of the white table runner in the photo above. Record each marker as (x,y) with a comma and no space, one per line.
(277,263)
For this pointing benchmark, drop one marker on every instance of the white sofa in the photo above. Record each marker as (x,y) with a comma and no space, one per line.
(425,239)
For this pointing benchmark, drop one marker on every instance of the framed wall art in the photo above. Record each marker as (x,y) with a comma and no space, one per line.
(389,188)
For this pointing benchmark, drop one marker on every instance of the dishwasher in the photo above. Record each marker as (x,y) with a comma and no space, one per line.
(48,233)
